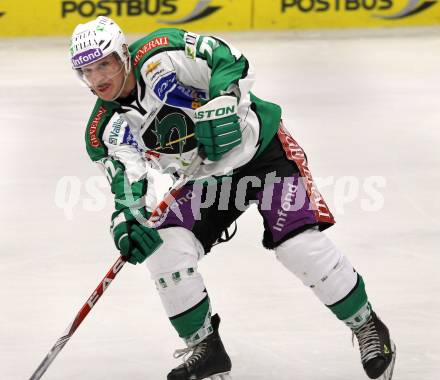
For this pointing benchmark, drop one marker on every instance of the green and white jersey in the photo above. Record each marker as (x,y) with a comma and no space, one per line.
(176,72)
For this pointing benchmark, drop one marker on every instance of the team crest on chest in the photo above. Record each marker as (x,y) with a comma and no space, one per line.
(171,132)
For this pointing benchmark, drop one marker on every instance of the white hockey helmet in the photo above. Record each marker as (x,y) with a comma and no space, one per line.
(97,39)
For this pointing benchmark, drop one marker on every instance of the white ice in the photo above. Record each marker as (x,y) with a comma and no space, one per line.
(364,105)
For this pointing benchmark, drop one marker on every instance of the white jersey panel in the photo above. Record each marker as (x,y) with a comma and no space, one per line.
(191,72)
(114,137)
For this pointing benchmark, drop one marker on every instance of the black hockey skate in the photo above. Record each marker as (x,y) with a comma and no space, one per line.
(208,360)
(378,352)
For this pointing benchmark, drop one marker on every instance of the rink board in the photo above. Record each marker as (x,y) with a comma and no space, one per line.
(302,14)
(59,17)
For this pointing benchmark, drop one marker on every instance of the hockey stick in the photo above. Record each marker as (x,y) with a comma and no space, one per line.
(111,274)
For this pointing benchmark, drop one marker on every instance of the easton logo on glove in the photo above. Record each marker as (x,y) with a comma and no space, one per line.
(218,127)
(215,113)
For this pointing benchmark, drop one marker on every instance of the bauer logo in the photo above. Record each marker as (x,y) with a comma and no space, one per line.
(86,57)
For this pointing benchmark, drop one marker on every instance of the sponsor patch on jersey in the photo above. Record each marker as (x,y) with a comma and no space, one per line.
(115,131)
(94,141)
(164,85)
(196,104)
(185,97)
(155,76)
(154,71)
(150,45)
(129,139)
(190,44)
(152,66)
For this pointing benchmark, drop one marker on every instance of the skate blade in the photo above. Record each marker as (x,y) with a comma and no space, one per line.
(220,376)
(388,374)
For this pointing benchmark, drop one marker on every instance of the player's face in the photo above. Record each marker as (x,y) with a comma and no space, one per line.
(105,77)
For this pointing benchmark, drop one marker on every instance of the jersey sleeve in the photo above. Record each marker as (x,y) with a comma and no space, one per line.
(178,64)
(112,146)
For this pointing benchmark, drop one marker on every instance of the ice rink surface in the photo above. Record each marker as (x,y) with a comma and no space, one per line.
(366,108)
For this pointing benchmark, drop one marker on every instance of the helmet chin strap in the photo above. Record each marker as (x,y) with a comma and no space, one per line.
(122,87)
(123,83)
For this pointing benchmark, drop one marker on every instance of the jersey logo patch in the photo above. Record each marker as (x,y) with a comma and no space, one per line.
(172,132)
(150,45)
(164,85)
(94,141)
(190,44)
(174,122)
(115,131)
(152,66)
(129,139)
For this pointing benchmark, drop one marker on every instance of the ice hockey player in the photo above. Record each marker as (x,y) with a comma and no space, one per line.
(162,100)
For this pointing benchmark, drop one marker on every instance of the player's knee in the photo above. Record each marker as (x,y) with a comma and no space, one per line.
(173,267)
(179,252)
(310,255)
(181,290)
(319,264)
(184,282)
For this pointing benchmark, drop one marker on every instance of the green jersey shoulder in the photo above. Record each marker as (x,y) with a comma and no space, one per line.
(101,115)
